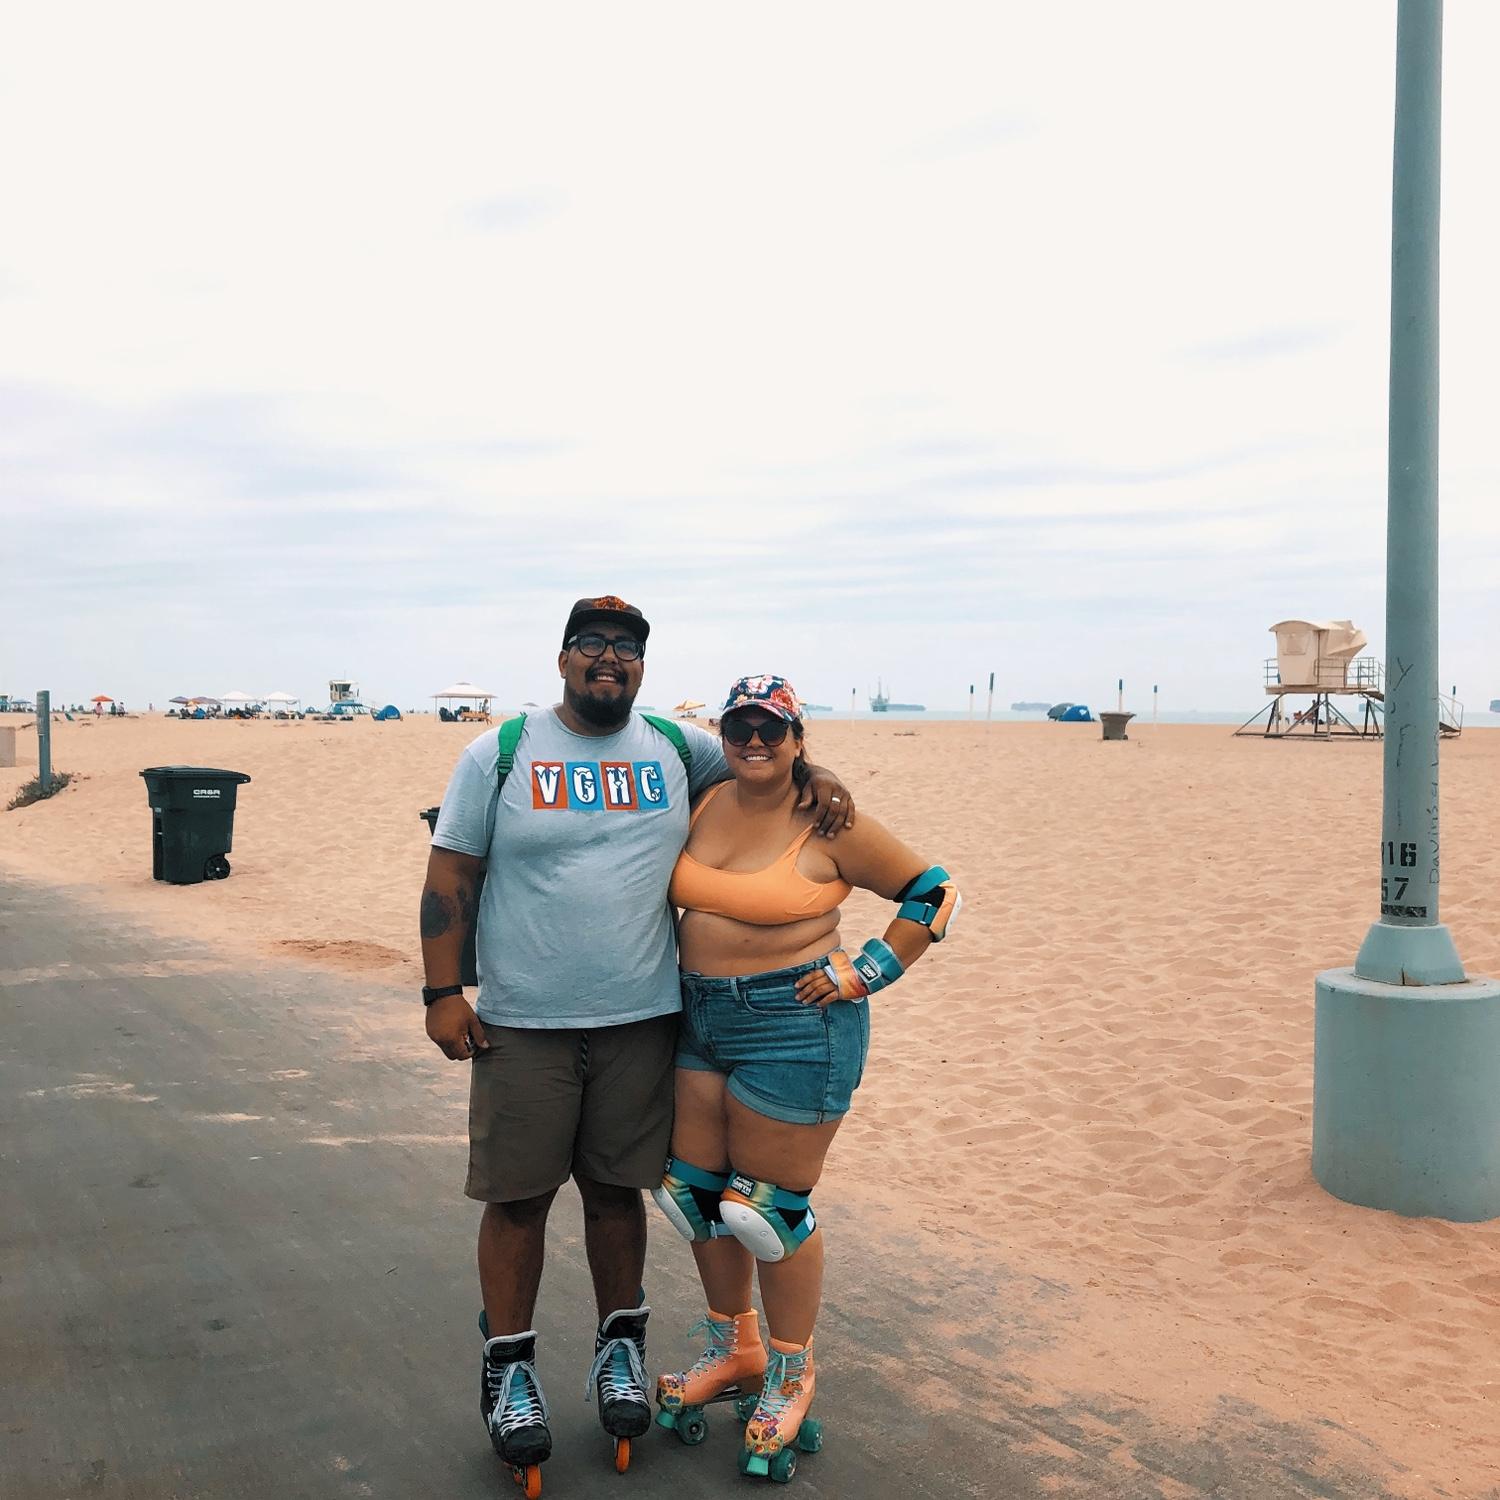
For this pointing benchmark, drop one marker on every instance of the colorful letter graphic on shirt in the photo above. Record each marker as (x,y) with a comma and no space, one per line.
(583,786)
(651,783)
(547,789)
(599,786)
(619,785)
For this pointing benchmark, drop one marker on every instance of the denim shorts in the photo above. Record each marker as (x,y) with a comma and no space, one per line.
(799,1063)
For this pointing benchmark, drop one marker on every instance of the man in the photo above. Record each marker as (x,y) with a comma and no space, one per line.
(577,823)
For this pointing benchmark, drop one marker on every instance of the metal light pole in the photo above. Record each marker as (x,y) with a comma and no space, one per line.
(1406,1109)
(44,741)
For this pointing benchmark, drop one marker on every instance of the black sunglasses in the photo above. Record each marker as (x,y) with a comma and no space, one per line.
(739,732)
(627,648)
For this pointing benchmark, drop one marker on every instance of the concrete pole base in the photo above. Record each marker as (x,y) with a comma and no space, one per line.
(1409,955)
(1406,1107)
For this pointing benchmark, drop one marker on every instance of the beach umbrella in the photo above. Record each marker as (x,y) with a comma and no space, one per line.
(202,701)
(179,700)
(686,704)
(101,698)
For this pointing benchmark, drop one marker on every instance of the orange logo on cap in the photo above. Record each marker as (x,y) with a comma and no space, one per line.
(610,601)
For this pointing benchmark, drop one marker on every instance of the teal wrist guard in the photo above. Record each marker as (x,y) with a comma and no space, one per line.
(876,963)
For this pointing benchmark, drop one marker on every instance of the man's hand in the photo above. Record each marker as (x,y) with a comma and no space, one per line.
(824,790)
(452,1024)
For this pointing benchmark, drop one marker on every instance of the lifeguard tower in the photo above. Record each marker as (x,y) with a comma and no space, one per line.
(1319,660)
(342,690)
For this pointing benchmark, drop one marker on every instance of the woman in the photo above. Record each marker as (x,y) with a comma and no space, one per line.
(772,1045)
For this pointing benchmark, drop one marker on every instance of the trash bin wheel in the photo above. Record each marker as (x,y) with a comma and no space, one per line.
(217,868)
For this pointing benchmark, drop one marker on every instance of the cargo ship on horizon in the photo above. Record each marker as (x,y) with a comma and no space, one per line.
(881,704)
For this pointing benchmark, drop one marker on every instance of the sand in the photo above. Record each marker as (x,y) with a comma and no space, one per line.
(1102,1081)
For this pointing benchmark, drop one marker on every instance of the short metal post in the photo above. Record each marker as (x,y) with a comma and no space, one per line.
(989,706)
(44,740)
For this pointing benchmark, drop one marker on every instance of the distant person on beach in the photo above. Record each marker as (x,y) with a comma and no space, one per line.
(578,822)
(772,1045)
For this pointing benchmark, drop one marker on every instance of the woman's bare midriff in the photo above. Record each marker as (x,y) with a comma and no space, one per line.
(709,944)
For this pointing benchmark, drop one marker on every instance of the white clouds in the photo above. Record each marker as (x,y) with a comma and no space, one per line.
(886,313)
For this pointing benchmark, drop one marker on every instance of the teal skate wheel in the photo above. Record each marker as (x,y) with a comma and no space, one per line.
(783,1465)
(692,1430)
(744,1408)
(810,1436)
(667,1419)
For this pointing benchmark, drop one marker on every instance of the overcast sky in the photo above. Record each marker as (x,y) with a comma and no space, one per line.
(913,340)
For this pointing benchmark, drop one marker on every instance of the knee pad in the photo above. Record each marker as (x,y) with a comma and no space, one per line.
(770,1222)
(689,1197)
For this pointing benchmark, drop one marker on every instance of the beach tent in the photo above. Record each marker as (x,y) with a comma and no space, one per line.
(284,699)
(238,698)
(1058,710)
(1316,653)
(464,692)
(390,711)
(1076,713)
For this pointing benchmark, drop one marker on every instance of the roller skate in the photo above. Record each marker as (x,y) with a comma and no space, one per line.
(780,1427)
(729,1369)
(513,1406)
(618,1380)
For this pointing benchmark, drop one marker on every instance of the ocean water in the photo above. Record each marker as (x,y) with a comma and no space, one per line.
(1229,717)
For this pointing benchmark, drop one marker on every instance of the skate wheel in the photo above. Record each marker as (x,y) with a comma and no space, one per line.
(529,1479)
(810,1436)
(744,1408)
(692,1430)
(784,1465)
(622,1455)
(742,1463)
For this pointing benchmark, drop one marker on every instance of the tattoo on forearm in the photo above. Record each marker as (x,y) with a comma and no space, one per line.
(466,906)
(438,912)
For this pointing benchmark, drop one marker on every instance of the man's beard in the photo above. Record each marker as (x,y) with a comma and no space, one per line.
(601,712)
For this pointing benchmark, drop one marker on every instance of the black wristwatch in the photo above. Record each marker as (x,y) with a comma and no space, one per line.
(440,993)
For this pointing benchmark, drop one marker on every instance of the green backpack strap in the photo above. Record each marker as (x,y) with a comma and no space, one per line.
(510,737)
(673,732)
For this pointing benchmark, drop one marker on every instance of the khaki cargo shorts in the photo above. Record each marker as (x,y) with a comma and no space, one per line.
(548,1105)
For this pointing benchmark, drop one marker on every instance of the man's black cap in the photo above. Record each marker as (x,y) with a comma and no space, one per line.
(608,607)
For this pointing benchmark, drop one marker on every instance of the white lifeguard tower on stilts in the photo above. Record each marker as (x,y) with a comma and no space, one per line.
(1319,660)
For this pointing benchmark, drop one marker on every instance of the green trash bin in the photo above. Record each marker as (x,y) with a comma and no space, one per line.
(192,821)
(468,963)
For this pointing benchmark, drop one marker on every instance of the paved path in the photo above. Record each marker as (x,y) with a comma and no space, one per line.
(235,1262)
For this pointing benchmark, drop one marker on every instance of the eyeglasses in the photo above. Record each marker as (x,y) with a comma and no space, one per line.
(739,732)
(627,648)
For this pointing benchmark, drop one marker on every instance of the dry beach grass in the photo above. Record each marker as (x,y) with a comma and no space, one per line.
(1103,1080)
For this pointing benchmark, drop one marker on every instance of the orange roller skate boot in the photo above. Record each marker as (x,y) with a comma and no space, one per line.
(780,1427)
(730,1368)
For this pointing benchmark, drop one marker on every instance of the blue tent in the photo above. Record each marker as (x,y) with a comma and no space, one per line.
(390,711)
(1076,713)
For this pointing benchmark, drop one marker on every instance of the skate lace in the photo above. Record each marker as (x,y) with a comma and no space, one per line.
(721,1343)
(517,1394)
(783,1381)
(618,1374)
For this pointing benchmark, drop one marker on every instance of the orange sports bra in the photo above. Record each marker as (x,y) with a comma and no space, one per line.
(778,894)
